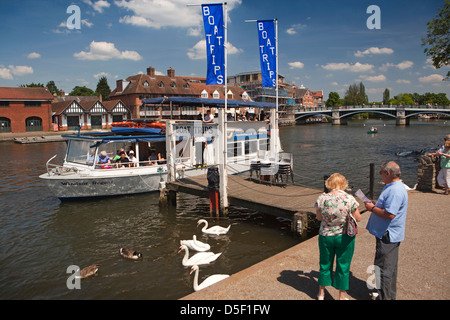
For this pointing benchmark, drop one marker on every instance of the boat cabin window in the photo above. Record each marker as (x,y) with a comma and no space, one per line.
(79,151)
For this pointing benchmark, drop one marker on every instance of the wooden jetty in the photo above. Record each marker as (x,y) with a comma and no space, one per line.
(288,201)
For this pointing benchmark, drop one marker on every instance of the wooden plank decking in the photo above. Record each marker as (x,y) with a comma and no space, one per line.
(283,201)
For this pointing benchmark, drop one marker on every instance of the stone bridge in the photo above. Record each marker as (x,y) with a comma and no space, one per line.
(340,115)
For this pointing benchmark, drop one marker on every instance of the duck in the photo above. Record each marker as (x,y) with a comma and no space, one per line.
(88,271)
(130,254)
(213,230)
(198,258)
(196,245)
(208,281)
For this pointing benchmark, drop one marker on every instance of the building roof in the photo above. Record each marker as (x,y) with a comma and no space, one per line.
(111,104)
(25,94)
(171,85)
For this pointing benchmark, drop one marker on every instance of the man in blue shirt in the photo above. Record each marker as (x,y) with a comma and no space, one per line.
(387,224)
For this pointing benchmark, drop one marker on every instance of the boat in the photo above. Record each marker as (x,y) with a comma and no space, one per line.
(80,177)
(372,130)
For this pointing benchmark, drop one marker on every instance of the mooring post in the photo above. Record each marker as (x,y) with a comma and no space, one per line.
(371,180)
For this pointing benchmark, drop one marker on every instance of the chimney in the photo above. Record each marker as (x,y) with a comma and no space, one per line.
(119,86)
(62,93)
(171,73)
(151,72)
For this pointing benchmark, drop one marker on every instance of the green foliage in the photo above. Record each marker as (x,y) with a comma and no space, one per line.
(103,88)
(438,37)
(333,99)
(356,95)
(82,91)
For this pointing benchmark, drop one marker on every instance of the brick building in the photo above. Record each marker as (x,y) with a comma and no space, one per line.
(305,98)
(133,89)
(25,109)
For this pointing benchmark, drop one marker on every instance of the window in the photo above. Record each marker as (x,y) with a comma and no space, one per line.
(173,85)
(145,83)
(161,84)
(33,124)
(245,96)
(4,104)
(216,95)
(32,103)
(204,94)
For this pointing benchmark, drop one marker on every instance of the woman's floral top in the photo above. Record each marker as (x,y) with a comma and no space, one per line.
(335,209)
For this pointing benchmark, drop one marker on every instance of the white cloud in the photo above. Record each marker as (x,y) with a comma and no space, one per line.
(98,5)
(403,81)
(296,65)
(402,65)
(373,50)
(198,51)
(357,67)
(21,70)
(157,14)
(102,74)
(5,73)
(295,27)
(33,55)
(8,72)
(86,23)
(378,78)
(431,78)
(106,51)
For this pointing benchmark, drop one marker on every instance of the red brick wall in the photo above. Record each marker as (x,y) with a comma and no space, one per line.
(17,113)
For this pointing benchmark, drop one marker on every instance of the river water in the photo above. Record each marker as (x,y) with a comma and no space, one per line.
(41,237)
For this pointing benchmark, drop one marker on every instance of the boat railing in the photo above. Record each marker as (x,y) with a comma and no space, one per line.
(58,169)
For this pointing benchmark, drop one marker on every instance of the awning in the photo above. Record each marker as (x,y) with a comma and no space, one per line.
(217,103)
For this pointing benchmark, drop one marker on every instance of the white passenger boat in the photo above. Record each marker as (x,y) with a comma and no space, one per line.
(82,176)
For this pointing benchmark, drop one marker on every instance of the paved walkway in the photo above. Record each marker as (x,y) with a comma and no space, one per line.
(292,274)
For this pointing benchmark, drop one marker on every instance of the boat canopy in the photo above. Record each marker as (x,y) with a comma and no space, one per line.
(217,103)
(107,139)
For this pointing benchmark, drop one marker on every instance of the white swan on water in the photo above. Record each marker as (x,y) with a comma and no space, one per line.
(212,230)
(198,258)
(195,244)
(208,281)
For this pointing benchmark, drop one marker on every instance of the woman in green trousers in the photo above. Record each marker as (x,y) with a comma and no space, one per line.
(333,209)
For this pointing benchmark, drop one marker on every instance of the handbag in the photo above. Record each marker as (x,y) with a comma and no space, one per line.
(352,226)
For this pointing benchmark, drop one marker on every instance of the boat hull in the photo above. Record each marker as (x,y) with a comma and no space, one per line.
(72,186)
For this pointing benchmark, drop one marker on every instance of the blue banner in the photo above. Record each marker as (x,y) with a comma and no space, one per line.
(215,46)
(267,51)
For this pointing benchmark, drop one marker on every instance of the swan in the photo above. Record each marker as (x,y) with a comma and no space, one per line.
(198,258)
(208,281)
(88,271)
(212,230)
(130,254)
(196,245)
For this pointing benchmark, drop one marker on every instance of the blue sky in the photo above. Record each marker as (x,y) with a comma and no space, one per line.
(323,44)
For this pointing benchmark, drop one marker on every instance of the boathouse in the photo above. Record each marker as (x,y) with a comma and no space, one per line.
(25,109)
(87,112)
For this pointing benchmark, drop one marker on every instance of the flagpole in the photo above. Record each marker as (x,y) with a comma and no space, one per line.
(223,177)
(223,182)
(276,89)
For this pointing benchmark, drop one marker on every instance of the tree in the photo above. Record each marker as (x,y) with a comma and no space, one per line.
(52,87)
(356,95)
(333,99)
(438,37)
(386,95)
(82,91)
(103,88)
(32,85)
